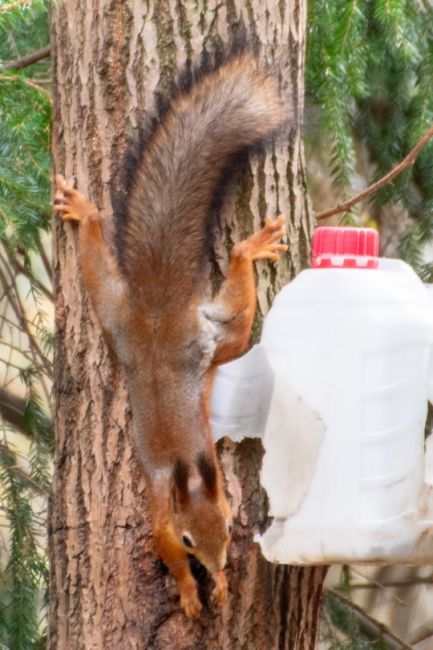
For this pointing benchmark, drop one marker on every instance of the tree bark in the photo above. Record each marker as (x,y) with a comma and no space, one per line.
(111,62)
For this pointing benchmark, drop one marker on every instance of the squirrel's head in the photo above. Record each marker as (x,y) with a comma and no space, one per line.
(201,513)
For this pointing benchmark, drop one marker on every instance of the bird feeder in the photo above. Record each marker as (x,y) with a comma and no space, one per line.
(338,389)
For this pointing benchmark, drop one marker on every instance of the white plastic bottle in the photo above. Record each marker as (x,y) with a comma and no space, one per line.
(353,338)
(241,396)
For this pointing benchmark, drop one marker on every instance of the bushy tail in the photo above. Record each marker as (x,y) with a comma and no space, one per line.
(162,244)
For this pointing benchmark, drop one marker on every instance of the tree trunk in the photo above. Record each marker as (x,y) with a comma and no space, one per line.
(112,61)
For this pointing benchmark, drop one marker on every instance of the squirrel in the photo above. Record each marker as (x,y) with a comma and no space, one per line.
(153,300)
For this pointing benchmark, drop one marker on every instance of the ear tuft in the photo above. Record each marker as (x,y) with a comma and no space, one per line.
(180,478)
(208,471)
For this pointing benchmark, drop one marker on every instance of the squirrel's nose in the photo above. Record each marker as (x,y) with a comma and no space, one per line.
(217,565)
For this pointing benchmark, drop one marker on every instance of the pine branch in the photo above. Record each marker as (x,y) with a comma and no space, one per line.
(368,625)
(12,410)
(28,59)
(14,5)
(29,82)
(20,473)
(25,571)
(406,162)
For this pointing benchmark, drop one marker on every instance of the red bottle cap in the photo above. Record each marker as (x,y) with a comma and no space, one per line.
(345,248)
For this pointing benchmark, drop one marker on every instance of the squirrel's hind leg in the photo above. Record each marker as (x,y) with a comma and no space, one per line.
(235,304)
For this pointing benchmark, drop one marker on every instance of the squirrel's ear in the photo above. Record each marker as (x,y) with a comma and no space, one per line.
(180,483)
(208,471)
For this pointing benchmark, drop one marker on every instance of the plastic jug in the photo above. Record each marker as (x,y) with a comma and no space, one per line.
(349,343)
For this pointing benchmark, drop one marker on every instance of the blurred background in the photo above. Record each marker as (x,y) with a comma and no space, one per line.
(369,100)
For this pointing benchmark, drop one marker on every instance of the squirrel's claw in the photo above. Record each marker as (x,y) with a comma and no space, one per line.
(64,199)
(264,243)
(72,205)
(65,208)
(275,224)
(221,589)
(271,252)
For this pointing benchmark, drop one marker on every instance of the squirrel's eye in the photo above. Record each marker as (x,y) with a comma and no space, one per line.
(229,528)
(186,539)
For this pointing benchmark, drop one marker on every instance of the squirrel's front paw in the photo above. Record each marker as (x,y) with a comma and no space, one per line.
(221,589)
(72,205)
(263,245)
(189,600)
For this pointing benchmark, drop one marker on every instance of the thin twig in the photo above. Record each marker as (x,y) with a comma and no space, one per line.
(17,306)
(392,584)
(422,634)
(409,160)
(13,325)
(28,59)
(20,268)
(2,316)
(376,583)
(44,257)
(10,364)
(16,348)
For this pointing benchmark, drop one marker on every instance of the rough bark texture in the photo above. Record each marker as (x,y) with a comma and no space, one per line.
(112,59)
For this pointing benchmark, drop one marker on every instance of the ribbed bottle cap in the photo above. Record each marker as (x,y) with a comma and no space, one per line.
(345,248)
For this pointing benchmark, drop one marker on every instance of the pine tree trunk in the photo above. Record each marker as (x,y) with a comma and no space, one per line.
(112,61)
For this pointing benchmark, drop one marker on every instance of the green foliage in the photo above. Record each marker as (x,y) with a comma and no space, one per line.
(23,27)
(25,113)
(26,570)
(369,68)
(344,631)
(25,576)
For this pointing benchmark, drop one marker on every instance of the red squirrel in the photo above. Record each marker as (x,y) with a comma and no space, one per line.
(153,300)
